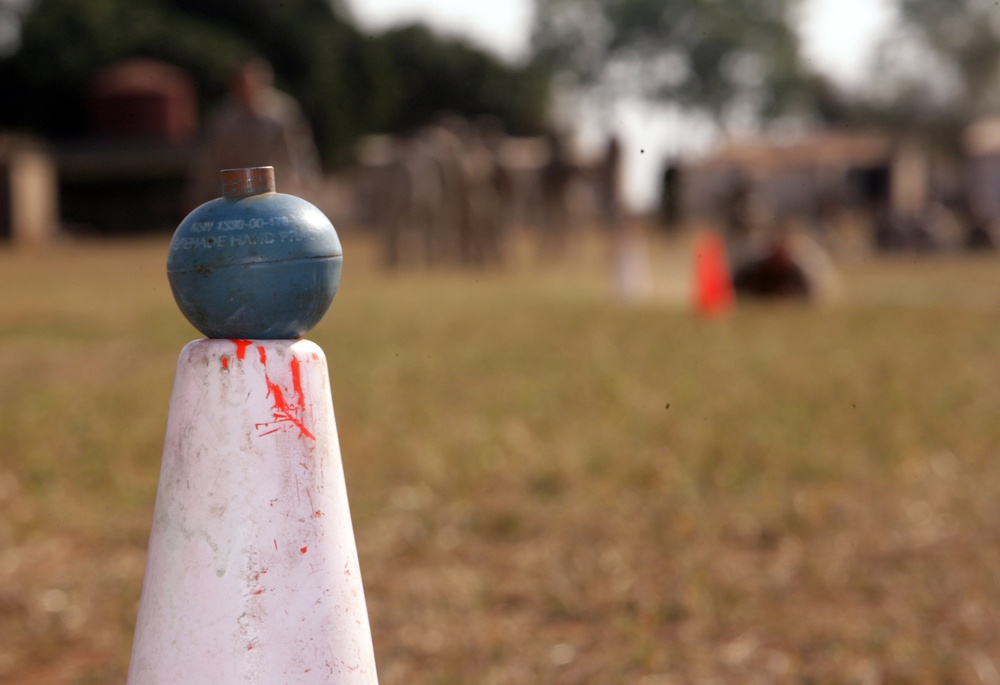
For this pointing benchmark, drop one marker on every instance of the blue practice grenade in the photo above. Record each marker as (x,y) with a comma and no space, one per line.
(254,264)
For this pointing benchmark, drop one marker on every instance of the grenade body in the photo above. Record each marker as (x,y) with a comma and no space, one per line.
(255,265)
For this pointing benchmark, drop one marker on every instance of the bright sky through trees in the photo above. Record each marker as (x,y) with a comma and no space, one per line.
(839,34)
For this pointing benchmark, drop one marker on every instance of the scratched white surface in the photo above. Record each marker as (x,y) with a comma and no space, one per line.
(252,574)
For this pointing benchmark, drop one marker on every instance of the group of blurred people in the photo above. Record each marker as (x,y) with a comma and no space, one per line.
(445,192)
(452,191)
(793,254)
(438,193)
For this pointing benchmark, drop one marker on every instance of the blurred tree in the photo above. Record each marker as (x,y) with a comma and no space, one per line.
(426,70)
(63,42)
(732,60)
(939,68)
(11,12)
(348,83)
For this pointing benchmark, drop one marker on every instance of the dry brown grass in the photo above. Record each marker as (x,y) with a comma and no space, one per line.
(548,486)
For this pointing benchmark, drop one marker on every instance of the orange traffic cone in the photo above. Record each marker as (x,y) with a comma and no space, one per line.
(713,286)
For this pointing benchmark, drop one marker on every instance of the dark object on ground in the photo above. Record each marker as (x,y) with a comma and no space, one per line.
(774,274)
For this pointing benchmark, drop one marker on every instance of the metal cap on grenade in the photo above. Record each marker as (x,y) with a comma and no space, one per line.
(246,182)
(254,264)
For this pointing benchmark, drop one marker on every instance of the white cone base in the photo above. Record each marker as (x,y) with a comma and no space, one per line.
(252,575)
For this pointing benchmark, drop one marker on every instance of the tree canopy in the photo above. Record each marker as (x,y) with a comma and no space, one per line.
(724,58)
(348,83)
(940,67)
(425,69)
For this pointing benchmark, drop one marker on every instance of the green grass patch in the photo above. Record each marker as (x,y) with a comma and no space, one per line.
(547,485)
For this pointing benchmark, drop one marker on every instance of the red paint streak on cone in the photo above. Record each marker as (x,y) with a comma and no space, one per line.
(241,348)
(284,411)
(297,384)
(713,285)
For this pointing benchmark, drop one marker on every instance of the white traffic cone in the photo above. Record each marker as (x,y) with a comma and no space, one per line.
(252,575)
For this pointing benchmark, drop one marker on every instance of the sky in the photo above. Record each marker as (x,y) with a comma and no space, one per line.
(500,26)
(839,38)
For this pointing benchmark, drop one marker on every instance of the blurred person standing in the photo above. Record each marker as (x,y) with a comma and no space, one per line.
(608,182)
(555,178)
(256,125)
(632,277)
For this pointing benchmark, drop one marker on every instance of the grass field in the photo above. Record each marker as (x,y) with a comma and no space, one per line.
(548,486)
